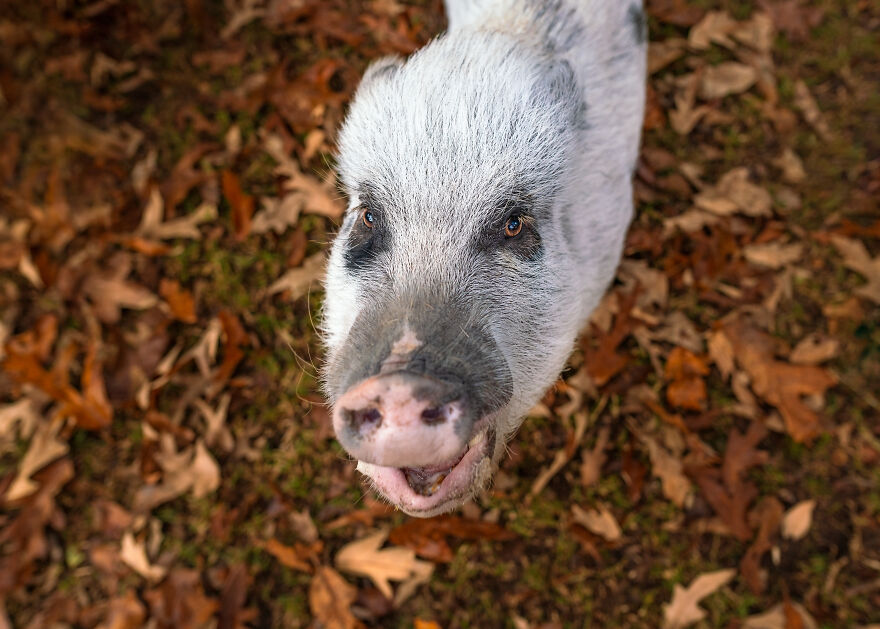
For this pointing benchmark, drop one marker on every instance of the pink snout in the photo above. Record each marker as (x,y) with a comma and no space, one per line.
(402,420)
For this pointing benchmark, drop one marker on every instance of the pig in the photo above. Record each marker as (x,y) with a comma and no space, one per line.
(489,179)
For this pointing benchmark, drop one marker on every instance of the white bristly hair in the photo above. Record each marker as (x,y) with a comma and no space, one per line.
(523,103)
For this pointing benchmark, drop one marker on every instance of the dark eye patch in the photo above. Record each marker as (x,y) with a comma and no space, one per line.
(363,243)
(527,243)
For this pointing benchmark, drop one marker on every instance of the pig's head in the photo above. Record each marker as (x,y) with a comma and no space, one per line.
(449,306)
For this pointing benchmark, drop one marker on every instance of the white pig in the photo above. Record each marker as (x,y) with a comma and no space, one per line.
(489,178)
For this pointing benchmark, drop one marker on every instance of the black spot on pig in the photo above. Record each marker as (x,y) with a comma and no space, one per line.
(639,23)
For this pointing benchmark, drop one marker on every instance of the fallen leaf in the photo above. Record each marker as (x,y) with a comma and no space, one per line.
(192,469)
(677,12)
(180,601)
(124,612)
(152,227)
(662,53)
(776,618)
(330,597)
(804,101)
(318,197)
(22,415)
(684,372)
(110,292)
(134,555)
(292,557)
(791,165)
(856,257)
(715,27)
(604,361)
(365,558)
(670,471)
(814,349)
(769,514)
(44,448)
(277,214)
(793,17)
(683,610)
(418,623)
(599,521)
(780,384)
(180,301)
(797,521)
(593,459)
(232,613)
(773,255)
(735,193)
(241,204)
(297,282)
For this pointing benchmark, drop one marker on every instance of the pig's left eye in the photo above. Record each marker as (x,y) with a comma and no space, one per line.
(368,219)
(513,227)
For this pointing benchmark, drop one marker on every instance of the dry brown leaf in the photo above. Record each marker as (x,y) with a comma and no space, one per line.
(688,221)
(277,214)
(670,471)
(330,597)
(109,291)
(599,521)
(792,167)
(241,204)
(721,352)
(780,384)
(683,610)
(729,77)
(684,371)
(773,255)
(804,101)
(365,557)
(776,618)
(757,32)
(295,558)
(715,27)
(856,257)
(593,460)
(735,193)
(180,601)
(814,349)
(685,116)
(22,415)
(797,521)
(124,612)
(795,18)
(662,53)
(180,300)
(297,282)
(193,468)
(769,514)
(152,227)
(318,197)
(134,555)
(44,448)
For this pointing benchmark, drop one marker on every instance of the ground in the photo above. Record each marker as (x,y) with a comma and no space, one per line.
(708,459)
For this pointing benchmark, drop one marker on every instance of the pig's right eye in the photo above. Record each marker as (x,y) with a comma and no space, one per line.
(368,218)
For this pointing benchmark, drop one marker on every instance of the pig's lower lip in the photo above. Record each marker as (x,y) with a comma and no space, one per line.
(431,490)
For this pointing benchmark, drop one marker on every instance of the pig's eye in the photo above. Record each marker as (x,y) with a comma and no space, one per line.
(368,218)
(513,227)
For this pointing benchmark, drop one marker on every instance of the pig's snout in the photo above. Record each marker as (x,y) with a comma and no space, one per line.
(402,419)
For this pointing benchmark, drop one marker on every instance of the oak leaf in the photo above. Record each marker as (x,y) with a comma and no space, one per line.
(856,257)
(780,384)
(330,597)
(683,610)
(365,557)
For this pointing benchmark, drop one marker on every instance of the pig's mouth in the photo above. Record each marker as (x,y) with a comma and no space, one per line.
(427,491)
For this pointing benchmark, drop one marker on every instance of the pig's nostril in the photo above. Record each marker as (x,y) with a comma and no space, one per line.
(364,417)
(433,415)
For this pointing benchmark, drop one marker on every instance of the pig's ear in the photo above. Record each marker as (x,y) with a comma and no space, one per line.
(382,68)
(558,87)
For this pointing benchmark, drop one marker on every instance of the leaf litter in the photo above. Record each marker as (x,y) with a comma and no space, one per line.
(154,330)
